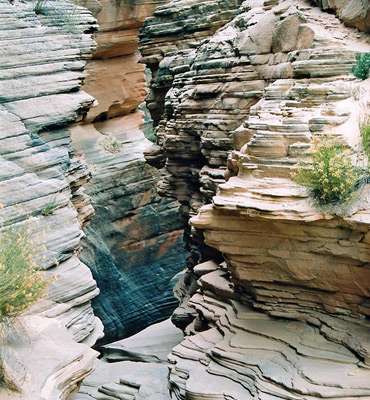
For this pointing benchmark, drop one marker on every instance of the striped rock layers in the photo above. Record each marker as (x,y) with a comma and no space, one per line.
(47,353)
(292,298)
(134,244)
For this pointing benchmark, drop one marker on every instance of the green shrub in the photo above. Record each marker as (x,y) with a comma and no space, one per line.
(111,144)
(365,135)
(40,6)
(362,68)
(50,207)
(21,284)
(329,174)
(59,14)
(149,133)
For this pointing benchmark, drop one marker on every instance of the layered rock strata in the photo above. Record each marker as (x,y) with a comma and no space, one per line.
(134,368)
(245,354)
(167,41)
(115,78)
(47,353)
(287,314)
(173,29)
(134,245)
(215,85)
(354,13)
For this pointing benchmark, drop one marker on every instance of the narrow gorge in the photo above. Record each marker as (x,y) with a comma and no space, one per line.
(151,150)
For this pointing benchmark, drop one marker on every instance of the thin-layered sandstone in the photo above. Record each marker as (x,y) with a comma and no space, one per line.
(47,353)
(134,244)
(354,12)
(286,316)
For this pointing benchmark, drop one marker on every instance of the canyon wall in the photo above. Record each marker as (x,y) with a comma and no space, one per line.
(353,13)
(134,244)
(285,316)
(47,352)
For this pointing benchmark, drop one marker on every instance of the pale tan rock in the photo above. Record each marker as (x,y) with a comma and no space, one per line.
(353,13)
(301,265)
(46,354)
(286,34)
(240,351)
(261,35)
(115,78)
(119,85)
(135,367)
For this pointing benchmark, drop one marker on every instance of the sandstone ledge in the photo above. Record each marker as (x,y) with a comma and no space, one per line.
(48,353)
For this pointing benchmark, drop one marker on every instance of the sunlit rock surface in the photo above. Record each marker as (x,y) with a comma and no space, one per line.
(47,353)
(286,316)
(353,12)
(210,89)
(115,78)
(241,353)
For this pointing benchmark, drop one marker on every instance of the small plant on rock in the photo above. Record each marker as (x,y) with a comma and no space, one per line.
(329,174)
(149,133)
(50,207)
(40,6)
(21,284)
(362,68)
(111,144)
(365,135)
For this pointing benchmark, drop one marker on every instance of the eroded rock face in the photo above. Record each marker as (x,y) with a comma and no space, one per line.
(135,367)
(167,42)
(173,29)
(353,13)
(47,353)
(246,354)
(116,79)
(134,245)
(292,298)
(215,85)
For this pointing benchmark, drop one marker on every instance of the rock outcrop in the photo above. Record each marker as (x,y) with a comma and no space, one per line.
(47,353)
(167,42)
(134,244)
(245,354)
(353,13)
(290,305)
(134,368)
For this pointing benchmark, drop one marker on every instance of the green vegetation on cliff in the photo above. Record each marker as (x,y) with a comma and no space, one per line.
(21,284)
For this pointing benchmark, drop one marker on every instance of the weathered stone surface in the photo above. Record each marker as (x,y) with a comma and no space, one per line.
(135,367)
(245,354)
(353,13)
(115,78)
(47,354)
(134,244)
(177,27)
(298,271)
(215,85)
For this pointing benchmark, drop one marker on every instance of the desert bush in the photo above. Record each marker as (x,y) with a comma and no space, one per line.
(365,135)
(362,68)
(21,284)
(111,144)
(59,14)
(40,6)
(328,173)
(50,207)
(149,133)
